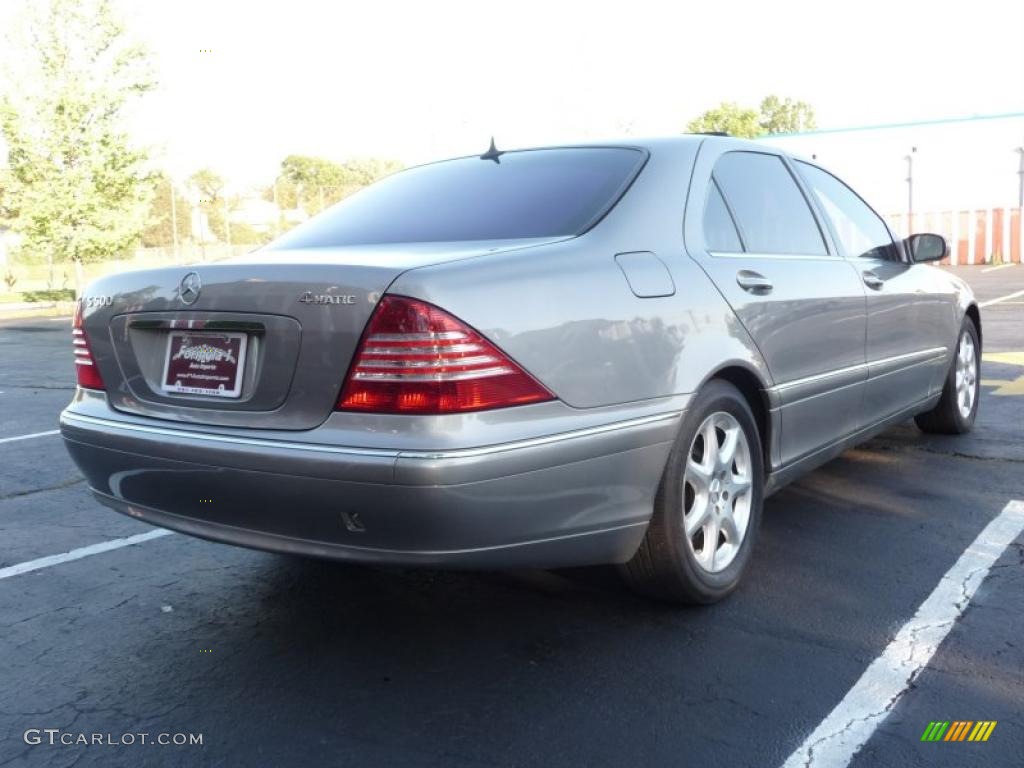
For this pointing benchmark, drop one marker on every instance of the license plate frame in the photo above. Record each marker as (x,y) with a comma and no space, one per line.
(206,365)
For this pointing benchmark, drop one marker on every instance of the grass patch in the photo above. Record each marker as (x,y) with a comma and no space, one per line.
(55,294)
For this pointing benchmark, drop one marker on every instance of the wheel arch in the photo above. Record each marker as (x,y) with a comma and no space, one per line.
(974,313)
(755,392)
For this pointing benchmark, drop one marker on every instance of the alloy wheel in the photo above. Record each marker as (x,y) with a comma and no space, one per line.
(966,375)
(717,492)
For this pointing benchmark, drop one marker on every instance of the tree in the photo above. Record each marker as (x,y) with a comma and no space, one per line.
(774,116)
(363,171)
(210,186)
(306,175)
(305,171)
(245,234)
(208,183)
(6,213)
(786,116)
(78,190)
(728,117)
(160,220)
(313,183)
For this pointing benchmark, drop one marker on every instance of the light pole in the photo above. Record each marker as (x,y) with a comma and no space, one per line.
(1020,178)
(910,190)
(174,220)
(227,223)
(277,212)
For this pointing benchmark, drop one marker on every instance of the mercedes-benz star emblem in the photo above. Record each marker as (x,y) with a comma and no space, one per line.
(188,290)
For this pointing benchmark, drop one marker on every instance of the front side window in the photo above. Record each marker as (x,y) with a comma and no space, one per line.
(859,230)
(526,194)
(771,212)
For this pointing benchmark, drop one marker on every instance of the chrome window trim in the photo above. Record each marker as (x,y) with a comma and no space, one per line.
(798,182)
(788,256)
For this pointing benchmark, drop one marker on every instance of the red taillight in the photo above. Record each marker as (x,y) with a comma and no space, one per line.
(85,366)
(416,358)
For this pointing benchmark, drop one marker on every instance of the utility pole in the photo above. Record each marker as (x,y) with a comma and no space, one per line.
(174,220)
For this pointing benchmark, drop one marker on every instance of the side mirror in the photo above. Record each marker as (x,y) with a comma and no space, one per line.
(927,247)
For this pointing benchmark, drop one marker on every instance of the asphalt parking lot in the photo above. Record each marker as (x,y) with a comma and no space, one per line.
(279,661)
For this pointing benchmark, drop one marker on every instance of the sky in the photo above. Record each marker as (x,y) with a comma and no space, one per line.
(242,84)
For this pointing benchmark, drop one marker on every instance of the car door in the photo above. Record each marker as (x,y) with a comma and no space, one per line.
(908,311)
(803,305)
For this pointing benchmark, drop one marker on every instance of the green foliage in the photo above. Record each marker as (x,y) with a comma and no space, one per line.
(786,116)
(730,118)
(6,203)
(284,192)
(76,189)
(208,183)
(313,183)
(52,294)
(774,116)
(160,219)
(214,211)
(210,188)
(244,234)
(305,172)
(363,171)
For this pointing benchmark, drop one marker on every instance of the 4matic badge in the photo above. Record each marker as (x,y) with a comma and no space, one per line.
(325,298)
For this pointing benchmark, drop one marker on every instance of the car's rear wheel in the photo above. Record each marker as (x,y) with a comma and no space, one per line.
(958,407)
(708,507)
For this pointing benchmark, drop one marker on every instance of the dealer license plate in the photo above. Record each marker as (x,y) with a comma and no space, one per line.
(204,363)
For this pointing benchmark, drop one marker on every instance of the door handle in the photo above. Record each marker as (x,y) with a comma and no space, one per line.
(873,281)
(753,282)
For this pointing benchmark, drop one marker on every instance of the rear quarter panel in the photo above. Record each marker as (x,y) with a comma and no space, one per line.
(566,312)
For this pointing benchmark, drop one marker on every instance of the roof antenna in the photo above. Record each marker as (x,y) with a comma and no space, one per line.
(492,153)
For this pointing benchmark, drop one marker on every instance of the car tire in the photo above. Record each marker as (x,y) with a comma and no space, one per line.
(697,486)
(952,415)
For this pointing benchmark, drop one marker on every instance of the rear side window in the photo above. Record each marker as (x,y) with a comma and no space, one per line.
(719,229)
(535,193)
(859,230)
(770,209)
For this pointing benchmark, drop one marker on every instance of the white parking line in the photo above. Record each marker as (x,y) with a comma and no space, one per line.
(1007,297)
(29,437)
(998,266)
(848,727)
(78,554)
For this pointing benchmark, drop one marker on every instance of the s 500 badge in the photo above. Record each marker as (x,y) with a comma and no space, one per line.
(323,298)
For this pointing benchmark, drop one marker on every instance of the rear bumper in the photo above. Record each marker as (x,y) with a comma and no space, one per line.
(574,498)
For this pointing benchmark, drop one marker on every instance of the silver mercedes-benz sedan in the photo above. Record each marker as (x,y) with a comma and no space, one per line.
(548,357)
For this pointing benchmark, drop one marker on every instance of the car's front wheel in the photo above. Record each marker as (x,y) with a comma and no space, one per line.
(958,407)
(708,507)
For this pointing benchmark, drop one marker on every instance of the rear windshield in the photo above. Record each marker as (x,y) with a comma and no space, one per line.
(533,193)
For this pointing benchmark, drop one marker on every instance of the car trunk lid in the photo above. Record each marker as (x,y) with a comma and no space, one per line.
(264,341)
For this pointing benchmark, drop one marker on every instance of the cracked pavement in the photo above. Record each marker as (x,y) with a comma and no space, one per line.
(280,661)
